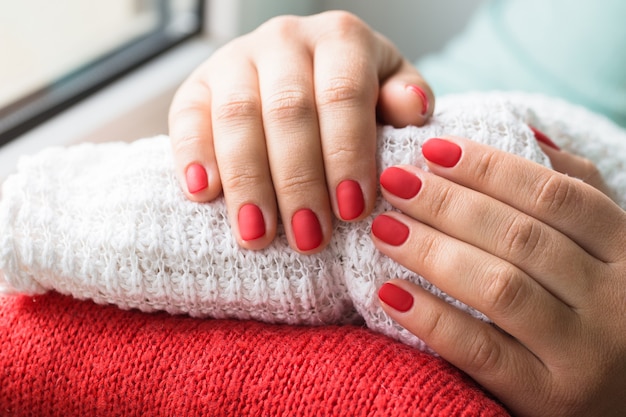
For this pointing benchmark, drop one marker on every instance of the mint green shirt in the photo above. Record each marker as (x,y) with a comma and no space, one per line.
(573,49)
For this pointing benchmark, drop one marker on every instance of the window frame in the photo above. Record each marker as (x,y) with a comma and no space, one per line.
(39,106)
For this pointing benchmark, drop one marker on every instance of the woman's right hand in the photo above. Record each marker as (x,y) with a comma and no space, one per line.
(284,120)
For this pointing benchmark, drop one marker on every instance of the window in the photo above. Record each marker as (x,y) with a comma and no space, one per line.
(55,53)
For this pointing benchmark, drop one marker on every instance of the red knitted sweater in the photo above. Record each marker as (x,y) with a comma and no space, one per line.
(62,357)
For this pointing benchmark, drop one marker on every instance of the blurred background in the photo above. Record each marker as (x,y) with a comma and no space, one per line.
(415,26)
(77,71)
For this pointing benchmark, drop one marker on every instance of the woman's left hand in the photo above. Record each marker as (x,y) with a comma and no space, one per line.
(542,254)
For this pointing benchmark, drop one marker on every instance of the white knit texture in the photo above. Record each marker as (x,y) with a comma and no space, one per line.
(110,223)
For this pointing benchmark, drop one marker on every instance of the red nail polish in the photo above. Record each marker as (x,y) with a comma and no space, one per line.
(395,297)
(251,222)
(422,96)
(400,182)
(197,179)
(541,137)
(350,199)
(307,230)
(441,152)
(390,230)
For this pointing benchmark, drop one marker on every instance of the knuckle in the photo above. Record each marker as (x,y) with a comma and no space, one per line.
(486,168)
(337,23)
(342,22)
(240,177)
(236,108)
(288,105)
(186,113)
(521,237)
(342,90)
(588,168)
(340,153)
(183,109)
(282,27)
(441,202)
(554,194)
(186,142)
(484,355)
(297,183)
(433,325)
(431,252)
(590,172)
(504,291)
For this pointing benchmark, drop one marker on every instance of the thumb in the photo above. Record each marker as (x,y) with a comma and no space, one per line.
(405,98)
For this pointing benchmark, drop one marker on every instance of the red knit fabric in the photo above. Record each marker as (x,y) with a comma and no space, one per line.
(62,357)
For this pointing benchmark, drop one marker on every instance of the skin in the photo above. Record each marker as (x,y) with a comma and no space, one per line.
(541,253)
(549,269)
(282,126)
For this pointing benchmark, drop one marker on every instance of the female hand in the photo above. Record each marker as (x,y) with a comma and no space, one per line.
(540,253)
(285,119)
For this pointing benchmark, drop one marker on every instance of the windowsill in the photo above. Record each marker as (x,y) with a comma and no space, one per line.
(133,107)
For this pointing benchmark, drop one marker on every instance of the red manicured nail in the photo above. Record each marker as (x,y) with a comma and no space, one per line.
(350,199)
(441,152)
(251,222)
(307,230)
(390,230)
(197,179)
(422,96)
(541,137)
(400,182)
(395,297)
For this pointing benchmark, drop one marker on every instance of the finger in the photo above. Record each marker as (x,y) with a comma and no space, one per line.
(496,361)
(508,296)
(566,204)
(241,151)
(345,92)
(190,132)
(293,142)
(494,227)
(577,167)
(405,98)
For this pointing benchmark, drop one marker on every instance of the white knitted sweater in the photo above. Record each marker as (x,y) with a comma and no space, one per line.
(109,223)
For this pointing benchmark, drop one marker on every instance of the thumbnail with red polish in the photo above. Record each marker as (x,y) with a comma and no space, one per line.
(390,230)
(421,95)
(350,200)
(400,182)
(251,222)
(307,230)
(441,152)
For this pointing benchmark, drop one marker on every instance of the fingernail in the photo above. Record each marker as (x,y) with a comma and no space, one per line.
(422,96)
(350,199)
(197,179)
(441,152)
(541,137)
(251,222)
(390,230)
(400,182)
(307,230)
(395,297)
